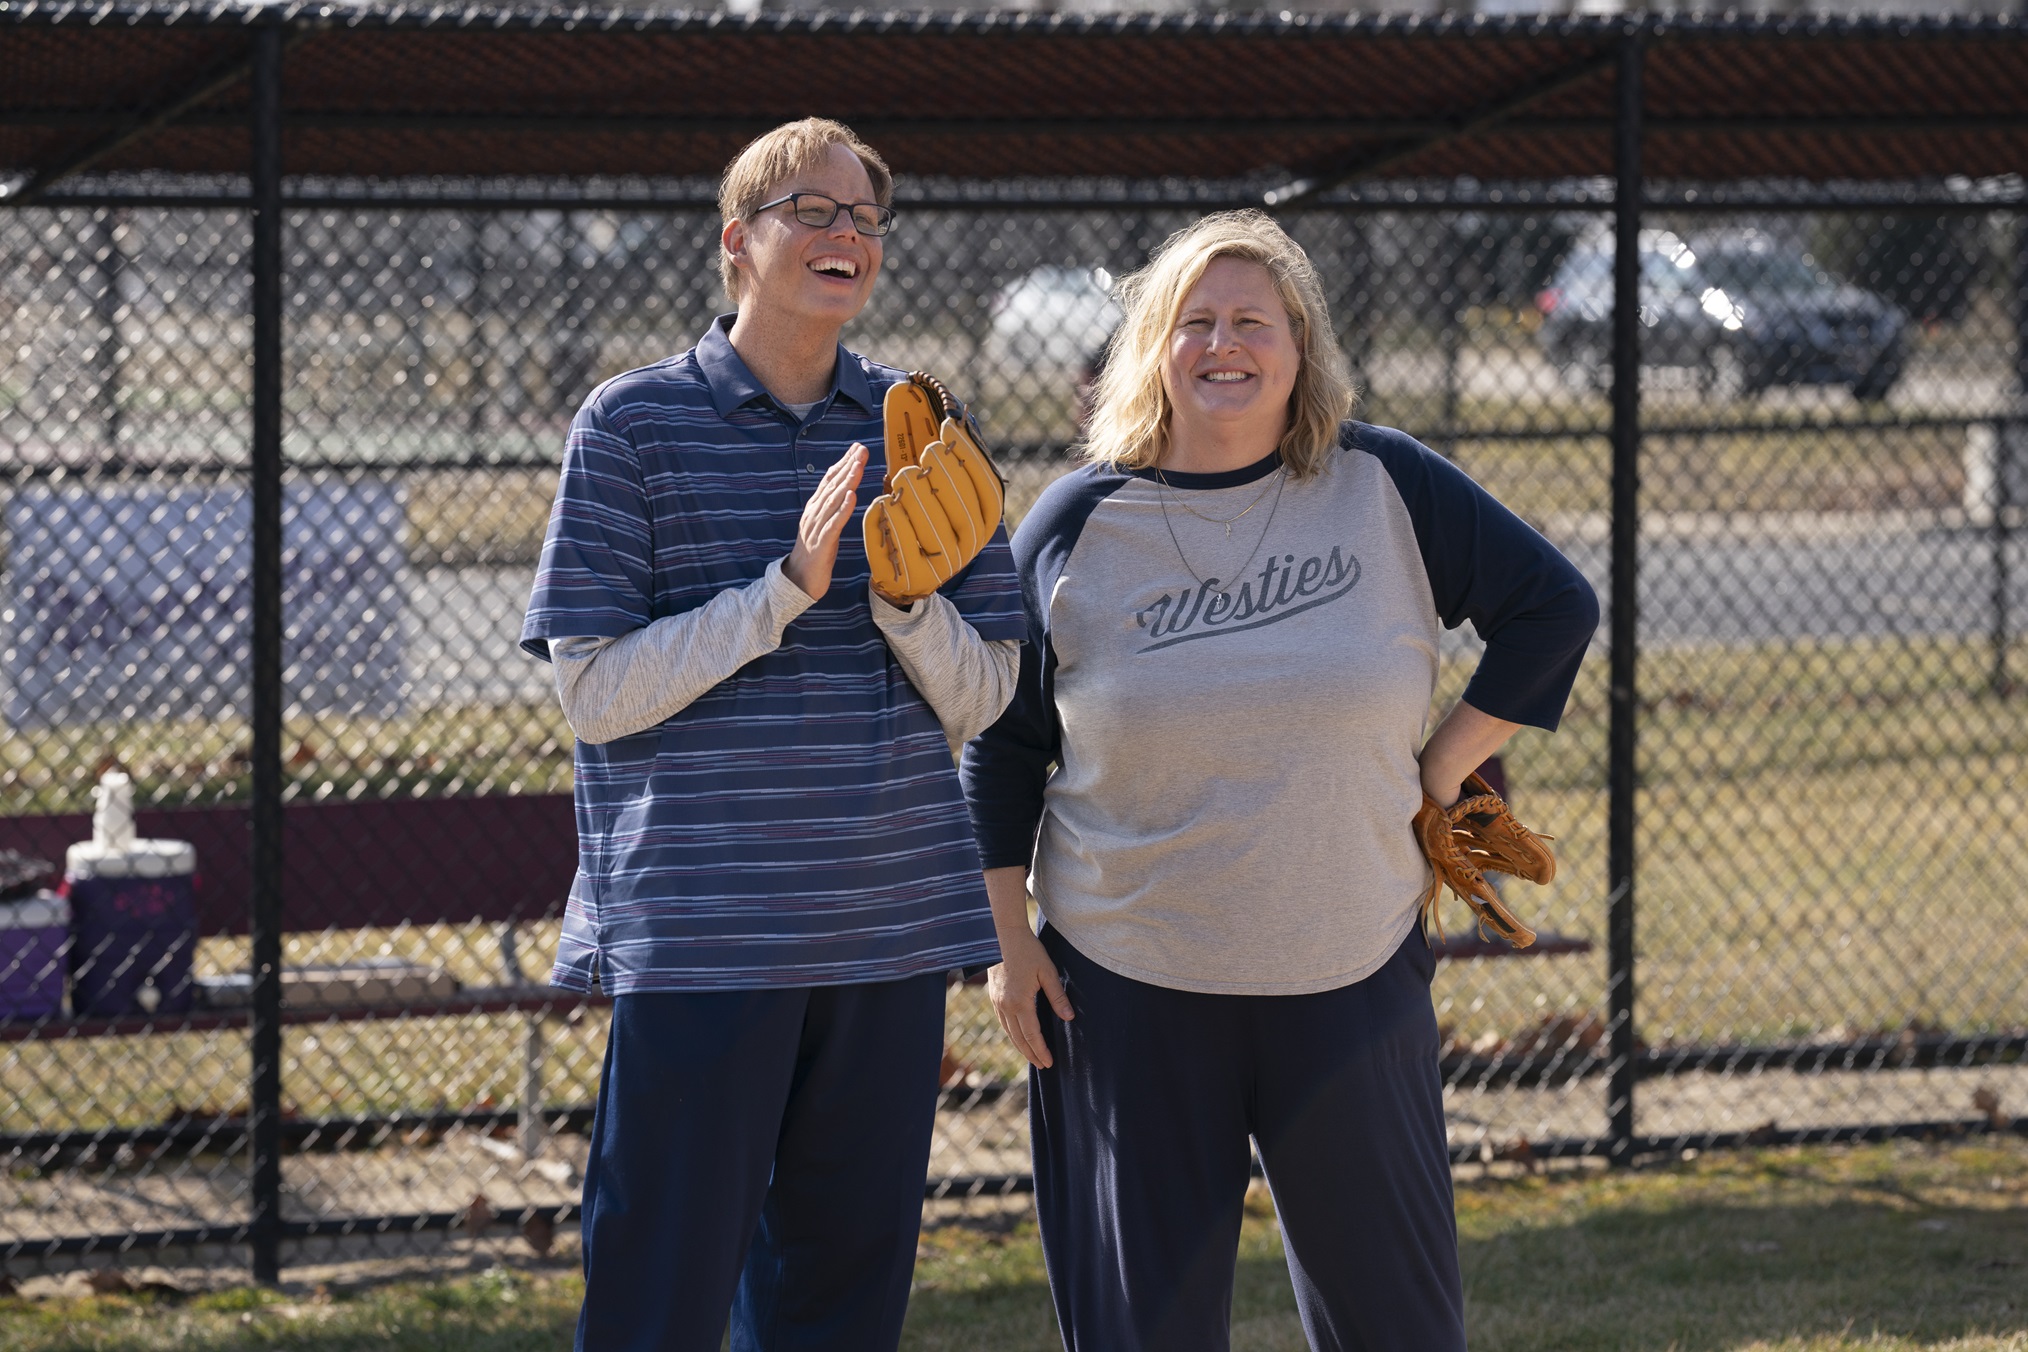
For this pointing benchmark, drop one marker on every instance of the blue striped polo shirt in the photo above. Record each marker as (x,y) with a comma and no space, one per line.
(801,823)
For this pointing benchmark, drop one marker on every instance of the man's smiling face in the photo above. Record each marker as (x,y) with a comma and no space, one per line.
(822,274)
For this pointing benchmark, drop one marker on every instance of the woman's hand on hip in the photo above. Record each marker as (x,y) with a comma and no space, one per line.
(1025,967)
(1459,746)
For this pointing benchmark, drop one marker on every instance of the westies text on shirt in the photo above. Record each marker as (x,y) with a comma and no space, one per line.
(1283,588)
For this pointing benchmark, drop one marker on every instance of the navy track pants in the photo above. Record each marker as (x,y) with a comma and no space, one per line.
(1140,1134)
(762,1152)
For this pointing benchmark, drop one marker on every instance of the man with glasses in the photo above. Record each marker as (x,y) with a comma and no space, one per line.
(776,870)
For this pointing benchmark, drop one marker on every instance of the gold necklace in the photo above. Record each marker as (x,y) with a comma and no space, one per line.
(1162,500)
(1225,521)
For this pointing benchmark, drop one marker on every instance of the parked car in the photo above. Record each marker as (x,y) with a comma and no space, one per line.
(1052,318)
(1740,309)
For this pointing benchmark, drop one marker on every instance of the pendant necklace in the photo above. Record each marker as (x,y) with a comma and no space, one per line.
(1225,521)
(1162,498)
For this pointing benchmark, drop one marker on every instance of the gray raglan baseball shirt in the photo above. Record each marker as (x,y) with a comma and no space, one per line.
(1210,760)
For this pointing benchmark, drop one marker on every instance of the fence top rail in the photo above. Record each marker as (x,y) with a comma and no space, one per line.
(1222,23)
(1577,195)
(401,91)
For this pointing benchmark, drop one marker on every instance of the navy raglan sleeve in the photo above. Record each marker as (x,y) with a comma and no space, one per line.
(1530,604)
(1006,768)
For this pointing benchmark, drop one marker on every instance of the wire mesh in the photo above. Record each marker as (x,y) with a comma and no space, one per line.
(1832,741)
(1831,733)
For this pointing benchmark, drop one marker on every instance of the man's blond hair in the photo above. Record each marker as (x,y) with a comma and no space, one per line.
(771,159)
(1131,412)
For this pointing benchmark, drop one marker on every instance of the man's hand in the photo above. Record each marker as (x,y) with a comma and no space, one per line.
(1025,967)
(824,516)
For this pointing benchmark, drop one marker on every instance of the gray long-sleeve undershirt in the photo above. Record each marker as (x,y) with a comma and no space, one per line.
(613,687)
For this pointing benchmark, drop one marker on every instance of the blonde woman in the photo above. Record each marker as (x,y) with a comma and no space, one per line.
(1207,777)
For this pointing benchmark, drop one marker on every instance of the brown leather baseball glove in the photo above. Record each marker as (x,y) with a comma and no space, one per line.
(942,497)
(1472,837)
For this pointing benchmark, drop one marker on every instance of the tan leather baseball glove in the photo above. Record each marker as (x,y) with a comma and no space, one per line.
(1476,835)
(942,497)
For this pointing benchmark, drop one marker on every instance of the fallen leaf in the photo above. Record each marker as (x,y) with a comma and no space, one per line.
(477,1215)
(952,1072)
(1988,1102)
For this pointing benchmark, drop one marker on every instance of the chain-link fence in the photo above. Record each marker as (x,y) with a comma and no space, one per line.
(1831,739)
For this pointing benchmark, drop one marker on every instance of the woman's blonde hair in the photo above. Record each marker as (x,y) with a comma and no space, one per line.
(774,157)
(1129,426)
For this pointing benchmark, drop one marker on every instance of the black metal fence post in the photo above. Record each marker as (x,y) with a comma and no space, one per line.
(110,258)
(1626,434)
(2010,440)
(2008,434)
(266,922)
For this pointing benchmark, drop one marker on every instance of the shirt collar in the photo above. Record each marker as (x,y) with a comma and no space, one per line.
(733,386)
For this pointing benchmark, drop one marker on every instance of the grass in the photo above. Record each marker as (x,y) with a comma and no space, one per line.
(448,752)
(498,1309)
(1895,1246)
(1888,1248)
(1817,845)
(462,518)
(1747,471)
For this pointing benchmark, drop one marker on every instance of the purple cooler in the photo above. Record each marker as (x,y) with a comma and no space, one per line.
(34,937)
(133,927)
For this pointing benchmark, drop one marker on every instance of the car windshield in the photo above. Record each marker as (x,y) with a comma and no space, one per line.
(1763,274)
(1662,275)
(1591,274)
(1740,273)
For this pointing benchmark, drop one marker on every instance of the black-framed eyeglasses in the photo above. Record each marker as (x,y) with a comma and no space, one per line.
(817,210)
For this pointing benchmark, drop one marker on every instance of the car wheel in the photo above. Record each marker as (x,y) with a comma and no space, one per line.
(1724,375)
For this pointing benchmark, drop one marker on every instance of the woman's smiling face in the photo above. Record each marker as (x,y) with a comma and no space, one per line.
(1232,358)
